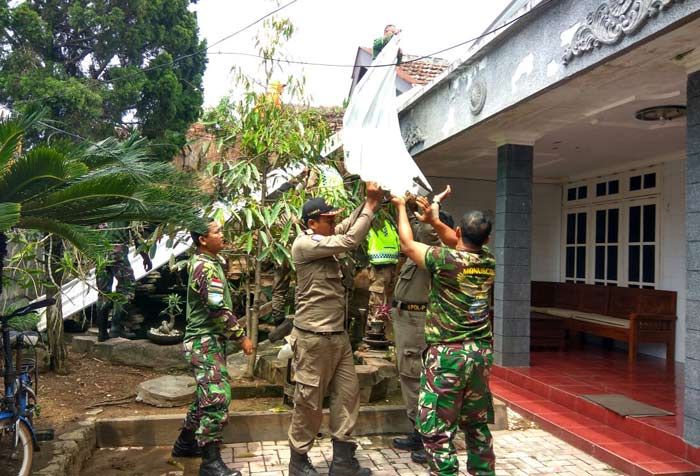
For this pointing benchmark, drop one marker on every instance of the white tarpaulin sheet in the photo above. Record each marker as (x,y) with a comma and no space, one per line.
(372,142)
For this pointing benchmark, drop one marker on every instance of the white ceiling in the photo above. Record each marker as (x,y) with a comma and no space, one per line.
(586,126)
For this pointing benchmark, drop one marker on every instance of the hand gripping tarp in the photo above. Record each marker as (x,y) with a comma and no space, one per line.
(372,142)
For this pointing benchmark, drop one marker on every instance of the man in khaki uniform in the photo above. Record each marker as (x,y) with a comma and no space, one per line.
(322,353)
(408,317)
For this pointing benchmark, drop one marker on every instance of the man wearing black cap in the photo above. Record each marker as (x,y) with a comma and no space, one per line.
(322,353)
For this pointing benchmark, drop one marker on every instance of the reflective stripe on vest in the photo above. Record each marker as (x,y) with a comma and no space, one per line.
(383,245)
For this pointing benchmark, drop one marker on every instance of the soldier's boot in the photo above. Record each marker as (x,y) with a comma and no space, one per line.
(186,446)
(344,462)
(212,464)
(412,442)
(300,465)
(419,456)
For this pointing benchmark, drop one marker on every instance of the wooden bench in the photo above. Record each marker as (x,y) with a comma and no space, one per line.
(629,314)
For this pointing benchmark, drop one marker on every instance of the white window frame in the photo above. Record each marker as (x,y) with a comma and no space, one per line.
(641,202)
(594,211)
(623,201)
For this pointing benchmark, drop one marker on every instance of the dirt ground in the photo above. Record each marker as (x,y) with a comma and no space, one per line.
(97,388)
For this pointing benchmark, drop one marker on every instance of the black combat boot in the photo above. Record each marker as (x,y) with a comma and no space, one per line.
(300,465)
(344,462)
(212,464)
(412,442)
(419,456)
(185,446)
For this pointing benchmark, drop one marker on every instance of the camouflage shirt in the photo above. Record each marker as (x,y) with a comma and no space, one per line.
(209,300)
(458,304)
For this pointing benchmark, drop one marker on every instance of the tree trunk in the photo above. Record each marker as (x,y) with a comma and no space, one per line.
(255,315)
(58,352)
(3,255)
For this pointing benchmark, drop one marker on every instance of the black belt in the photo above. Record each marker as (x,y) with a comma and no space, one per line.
(406,306)
(333,333)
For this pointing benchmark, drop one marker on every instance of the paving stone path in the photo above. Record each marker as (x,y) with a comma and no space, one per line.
(523,452)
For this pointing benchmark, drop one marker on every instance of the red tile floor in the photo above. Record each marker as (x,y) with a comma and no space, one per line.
(549,391)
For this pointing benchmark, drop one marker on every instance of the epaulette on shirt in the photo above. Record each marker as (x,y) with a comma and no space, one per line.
(317,237)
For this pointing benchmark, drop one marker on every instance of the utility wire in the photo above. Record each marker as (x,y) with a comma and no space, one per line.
(419,58)
(175,61)
(309,63)
(203,50)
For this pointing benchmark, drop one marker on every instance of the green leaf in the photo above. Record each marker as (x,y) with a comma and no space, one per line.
(248,218)
(249,243)
(265,238)
(9,215)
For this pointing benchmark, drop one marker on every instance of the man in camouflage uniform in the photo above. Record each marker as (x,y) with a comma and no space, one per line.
(380,43)
(210,321)
(408,318)
(119,268)
(323,360)
(454,388)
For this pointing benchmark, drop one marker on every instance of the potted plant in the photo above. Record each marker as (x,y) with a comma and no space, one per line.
(166,332)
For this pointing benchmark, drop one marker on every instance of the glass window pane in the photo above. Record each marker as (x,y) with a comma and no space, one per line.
(582,192)
(650,180)
(649,264)
(571,194)
(570,261)
(600,262)
(580,262)
(635,183)
(649,222)
(634,263)
(612,263)
(571,229)
(601,189)
(600,226)
(635,224)
(581,229)
(613,187)
(613,224)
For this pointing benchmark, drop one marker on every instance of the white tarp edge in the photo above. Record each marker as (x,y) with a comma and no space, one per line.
(372,142)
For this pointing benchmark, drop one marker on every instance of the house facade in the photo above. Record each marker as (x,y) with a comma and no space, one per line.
(579,127)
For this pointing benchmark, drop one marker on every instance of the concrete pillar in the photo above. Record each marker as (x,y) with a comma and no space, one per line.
(692,219)
(512,251)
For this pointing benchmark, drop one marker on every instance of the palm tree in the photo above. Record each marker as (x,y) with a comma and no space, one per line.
(66,190)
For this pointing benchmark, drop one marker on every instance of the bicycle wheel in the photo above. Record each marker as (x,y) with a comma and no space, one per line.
(16,459)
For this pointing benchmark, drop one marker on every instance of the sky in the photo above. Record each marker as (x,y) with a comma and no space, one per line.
(329,31)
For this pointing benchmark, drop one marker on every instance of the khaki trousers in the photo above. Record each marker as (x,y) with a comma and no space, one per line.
(322,364)
(409,336)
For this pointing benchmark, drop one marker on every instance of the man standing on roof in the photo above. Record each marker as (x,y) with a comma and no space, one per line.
(454,390)
(380,43)
(323,359)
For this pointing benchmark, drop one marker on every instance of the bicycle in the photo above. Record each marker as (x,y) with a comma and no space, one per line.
(18,439)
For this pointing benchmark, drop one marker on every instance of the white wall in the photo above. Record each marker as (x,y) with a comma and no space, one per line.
(469,194)
(673,249)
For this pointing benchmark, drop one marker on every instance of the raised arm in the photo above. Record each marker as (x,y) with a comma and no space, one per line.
(411,248)
(431,215)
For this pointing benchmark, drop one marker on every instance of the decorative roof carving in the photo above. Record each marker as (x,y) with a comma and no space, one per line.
(611,22)
(477,96)
(412,136)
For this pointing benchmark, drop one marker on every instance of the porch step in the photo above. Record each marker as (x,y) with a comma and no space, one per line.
(604,441)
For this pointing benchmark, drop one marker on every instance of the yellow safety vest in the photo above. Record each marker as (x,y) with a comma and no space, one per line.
(383,245)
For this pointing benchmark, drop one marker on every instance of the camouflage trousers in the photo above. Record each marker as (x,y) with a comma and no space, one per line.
(121,270)
(209,412)
(455,393)
(381,286)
